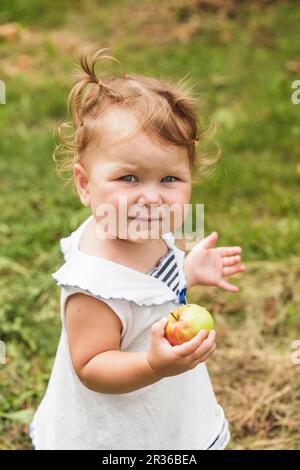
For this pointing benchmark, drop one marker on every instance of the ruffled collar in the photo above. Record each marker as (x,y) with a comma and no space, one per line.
(110,280)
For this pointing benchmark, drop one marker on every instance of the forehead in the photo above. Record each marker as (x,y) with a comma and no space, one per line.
(121,144)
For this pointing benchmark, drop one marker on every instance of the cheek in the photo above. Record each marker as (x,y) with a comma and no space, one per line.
(186,194)
(121,199)
(102,195)
(118,198)
(181,194)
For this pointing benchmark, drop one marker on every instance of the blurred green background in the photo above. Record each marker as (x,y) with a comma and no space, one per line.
(243,56)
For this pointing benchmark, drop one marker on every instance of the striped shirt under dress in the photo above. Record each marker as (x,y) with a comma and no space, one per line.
(167,271)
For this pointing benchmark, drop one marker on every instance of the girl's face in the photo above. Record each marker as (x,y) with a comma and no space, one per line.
(134,181)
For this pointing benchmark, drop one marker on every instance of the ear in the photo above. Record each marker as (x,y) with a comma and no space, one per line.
(82,183)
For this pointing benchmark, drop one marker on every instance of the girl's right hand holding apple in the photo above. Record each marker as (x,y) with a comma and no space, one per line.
(167,360)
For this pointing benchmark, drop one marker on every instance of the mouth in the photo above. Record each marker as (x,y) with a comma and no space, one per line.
(143,219)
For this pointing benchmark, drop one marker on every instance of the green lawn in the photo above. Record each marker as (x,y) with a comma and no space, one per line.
(244,65)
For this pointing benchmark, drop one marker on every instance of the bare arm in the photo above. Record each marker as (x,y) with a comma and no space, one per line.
(94,333)
(118,372)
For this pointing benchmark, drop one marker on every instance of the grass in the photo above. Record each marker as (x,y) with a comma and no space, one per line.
(242,65)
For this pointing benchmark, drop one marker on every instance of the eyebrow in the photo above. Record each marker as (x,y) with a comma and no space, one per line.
(125,166)
(133,166)
(129,165)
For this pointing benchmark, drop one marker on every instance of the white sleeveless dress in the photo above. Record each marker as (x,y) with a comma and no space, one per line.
(178,412)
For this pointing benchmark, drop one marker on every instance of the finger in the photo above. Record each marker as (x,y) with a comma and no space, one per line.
(227,286)
(209,354)
(229,250)
(158,329)
(233,270)
(204,357)
(207,344)
(187,348)
(210,240)
(231,260)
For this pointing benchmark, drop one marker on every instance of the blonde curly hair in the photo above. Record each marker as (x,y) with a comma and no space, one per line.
(165,109)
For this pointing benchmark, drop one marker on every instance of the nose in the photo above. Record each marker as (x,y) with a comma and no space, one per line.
(150,195)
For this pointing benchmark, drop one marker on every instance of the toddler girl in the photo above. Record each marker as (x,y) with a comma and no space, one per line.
(116,381)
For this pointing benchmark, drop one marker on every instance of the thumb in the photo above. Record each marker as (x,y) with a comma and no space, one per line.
(158,328)
(210,240)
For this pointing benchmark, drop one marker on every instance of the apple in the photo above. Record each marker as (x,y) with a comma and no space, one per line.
(185,322)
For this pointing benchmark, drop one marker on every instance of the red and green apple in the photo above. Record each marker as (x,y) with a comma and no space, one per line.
(185,322)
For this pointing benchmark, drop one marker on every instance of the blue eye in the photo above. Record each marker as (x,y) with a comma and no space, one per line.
(132,176)
(170,177)
(127,176)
